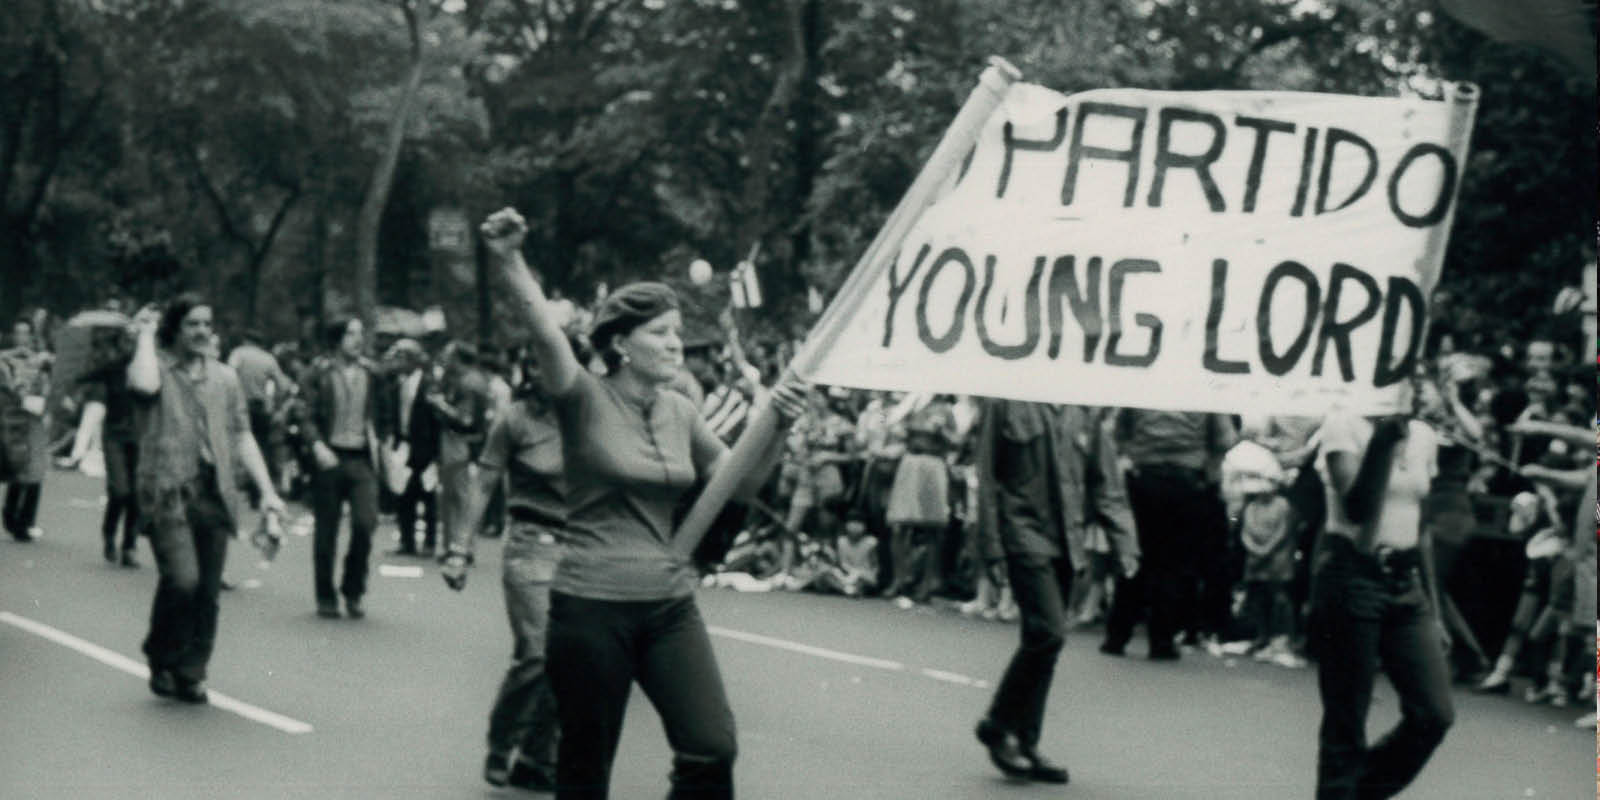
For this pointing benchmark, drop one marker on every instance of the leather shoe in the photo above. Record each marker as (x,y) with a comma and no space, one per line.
(162,683)
(495,768)
(1112,649)
(1165,654)
(130,559)
(527,776)
(352,608)
(1004,750)
(111,550)
(1042,770)
(191,692)
(328,610)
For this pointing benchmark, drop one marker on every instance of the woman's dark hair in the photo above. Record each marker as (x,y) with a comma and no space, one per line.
(172,317)
(624,310)
(333,332)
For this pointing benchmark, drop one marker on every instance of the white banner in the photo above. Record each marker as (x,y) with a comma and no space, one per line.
(1205,251)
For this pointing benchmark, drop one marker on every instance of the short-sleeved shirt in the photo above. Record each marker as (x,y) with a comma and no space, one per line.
(1415,464)
(628,465)
(525,441)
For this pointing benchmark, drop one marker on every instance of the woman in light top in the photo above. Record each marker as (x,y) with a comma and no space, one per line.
(1375,604)
(622,603)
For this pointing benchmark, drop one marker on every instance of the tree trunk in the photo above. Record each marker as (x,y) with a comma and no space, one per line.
(370,218)
(767,131)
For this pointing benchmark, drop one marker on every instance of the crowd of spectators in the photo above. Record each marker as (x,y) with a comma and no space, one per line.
(877,492)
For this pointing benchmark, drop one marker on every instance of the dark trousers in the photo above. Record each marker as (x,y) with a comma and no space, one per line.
(21,508)
(1169,507)
(597,650)
(524,713)
(189,530)
(406,513)
(1041,587)
(122,503)
(351,480)
(1364,617)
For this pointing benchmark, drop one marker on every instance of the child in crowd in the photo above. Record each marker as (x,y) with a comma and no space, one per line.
(857,569)
(1268,570)
(1533,520)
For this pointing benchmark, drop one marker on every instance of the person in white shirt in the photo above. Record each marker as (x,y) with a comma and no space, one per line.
(1374,602)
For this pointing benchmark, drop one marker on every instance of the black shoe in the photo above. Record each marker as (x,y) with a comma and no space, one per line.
(496,767)
(535,779)
(227,585)
(191,692)
(130,559)
(1112,649)
(111,551)
(352,608)
(1004,751)
(162,683)
(1040,769)
(328,610)
(1165,654)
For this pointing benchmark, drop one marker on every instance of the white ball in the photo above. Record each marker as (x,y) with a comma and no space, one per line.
(700,271)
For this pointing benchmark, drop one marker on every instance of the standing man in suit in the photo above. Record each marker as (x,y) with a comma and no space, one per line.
(1045,474)
(419,430)
(342,420)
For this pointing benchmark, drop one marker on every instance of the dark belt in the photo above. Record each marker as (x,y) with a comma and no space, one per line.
(1391,562)
(349,452)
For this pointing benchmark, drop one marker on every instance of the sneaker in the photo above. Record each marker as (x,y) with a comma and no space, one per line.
(1585,721)
(1496,683)
(1288,660)
(1239,648)
(1586,689)
(904,603)
(1265,654)
(1212,647)
(1557,695)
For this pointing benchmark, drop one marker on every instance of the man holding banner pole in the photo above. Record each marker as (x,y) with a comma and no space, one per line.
(1046,473)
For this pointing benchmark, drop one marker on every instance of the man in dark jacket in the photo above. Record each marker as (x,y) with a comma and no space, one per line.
(418,428)
(342,419)
(1045,474)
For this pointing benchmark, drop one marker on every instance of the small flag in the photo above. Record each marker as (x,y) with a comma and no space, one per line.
(745,285)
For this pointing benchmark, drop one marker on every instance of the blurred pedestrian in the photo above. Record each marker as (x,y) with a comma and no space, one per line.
(1046,472)
(27,430)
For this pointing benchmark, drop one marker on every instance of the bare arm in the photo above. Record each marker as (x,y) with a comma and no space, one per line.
(503,233)
(256,467)
(462,539)
(144,371)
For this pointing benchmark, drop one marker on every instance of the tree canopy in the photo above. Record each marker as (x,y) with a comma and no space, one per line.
(241,147)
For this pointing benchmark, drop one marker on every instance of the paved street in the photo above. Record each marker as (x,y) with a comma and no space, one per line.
(834,698)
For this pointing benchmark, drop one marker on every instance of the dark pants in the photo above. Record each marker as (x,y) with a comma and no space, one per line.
(524,714)
(122,503)
(21,508)
(1366,616)
(1041,587)
(189,531)
(1169,508)
(351,480)
(597,650)
(406,513)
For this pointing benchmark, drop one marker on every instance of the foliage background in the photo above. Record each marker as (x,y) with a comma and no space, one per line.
(229,145)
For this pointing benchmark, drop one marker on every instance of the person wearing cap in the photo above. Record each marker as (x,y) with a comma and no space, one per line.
(1374,602)
(622,607)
